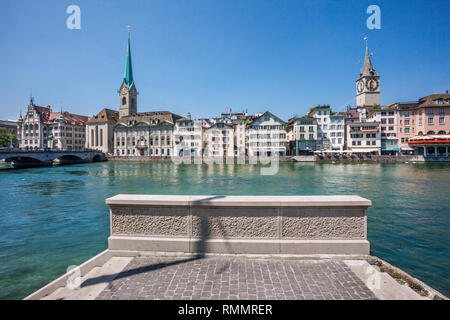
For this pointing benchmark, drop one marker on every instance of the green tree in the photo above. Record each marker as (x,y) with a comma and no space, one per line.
(5,138)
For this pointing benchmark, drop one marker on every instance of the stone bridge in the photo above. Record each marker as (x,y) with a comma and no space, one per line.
(47,158)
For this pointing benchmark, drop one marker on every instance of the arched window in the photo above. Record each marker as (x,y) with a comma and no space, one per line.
(441,132)
(101,137)
(420,133)
(430,132)
(124,101)
(132,102)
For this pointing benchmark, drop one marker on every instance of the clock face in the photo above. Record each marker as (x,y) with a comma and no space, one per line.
(360,86)
(372,84)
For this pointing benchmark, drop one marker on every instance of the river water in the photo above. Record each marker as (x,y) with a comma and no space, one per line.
(55,217)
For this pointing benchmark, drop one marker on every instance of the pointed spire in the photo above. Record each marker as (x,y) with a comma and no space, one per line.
(128,76)
(368,69)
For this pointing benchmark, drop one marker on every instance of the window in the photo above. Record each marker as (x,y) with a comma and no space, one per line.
(406,130)
(441,111)
(430,112)
(124,101)
(441,120)
(407,122)
(430,120)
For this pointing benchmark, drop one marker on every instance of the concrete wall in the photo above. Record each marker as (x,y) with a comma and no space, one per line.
(240,224)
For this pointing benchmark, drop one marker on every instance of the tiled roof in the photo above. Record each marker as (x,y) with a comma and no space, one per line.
(147,116)
(106,115)
(428,101)
(69,118)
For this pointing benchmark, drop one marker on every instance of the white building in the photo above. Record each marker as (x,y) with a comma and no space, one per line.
(364,137)
(145,134)
(219,140)
(267,136)
(330,126)
(41,128)
(100,131)
(387,118)
(188,137)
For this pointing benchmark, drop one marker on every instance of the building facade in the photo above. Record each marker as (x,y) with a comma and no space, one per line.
(267,136)
(364,137)
(100,131)
(427,116)
(301,136)
(219,140)
(146,134)
(41,128)
(387,117)
(330,128)
(188,137)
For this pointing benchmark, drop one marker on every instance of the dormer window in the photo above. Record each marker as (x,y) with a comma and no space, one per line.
(438,101)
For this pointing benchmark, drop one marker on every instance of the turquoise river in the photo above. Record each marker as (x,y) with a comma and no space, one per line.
(52,218)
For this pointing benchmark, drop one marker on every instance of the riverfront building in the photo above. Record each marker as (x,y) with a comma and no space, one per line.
(41,128)
(364,137)
(330,127)
(100,131)
(219,140)
(145,134)
(387,117)
(301,136)
(267,136)
(428,116)
(188,137)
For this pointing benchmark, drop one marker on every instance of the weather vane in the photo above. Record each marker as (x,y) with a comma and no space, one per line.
(129,29)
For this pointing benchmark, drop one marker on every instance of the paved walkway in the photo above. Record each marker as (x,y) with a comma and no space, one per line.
(229,278)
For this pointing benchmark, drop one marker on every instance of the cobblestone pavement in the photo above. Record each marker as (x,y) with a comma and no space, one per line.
(229,278)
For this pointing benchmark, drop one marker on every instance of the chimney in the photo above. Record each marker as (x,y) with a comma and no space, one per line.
(446,91)
(188,116)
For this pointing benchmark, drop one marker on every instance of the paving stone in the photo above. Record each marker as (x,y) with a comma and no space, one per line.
(230,278)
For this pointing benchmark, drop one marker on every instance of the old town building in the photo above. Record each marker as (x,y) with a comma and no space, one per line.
(267,136)
(301,136)
(100,131)
(188,137)
(330,128)
(145,134)
(429,116)
(364,137)
(41,128)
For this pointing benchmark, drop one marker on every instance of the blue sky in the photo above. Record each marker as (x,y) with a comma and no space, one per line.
(202,56)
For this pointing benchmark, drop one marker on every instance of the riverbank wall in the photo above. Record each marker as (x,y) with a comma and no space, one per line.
(313,158)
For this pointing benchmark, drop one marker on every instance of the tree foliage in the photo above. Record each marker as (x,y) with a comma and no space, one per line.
(5,138)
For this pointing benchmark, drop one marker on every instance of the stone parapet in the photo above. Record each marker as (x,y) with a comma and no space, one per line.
(240,224)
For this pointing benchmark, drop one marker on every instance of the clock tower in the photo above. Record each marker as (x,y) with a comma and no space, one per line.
(368,84)
(127,92)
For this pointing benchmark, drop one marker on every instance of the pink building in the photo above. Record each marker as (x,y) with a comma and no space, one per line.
(429,116)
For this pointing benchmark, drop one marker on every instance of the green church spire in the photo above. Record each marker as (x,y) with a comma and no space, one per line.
(128,76)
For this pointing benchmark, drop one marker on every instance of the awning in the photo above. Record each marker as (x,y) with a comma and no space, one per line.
(407,149)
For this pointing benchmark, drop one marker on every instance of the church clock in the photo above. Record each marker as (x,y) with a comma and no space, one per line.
(360,86)
(372,84)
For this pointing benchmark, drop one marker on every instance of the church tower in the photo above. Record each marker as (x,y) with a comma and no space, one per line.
(368,84)
(128,93)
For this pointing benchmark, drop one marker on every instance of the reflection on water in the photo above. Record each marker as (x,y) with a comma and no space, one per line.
(56,217)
